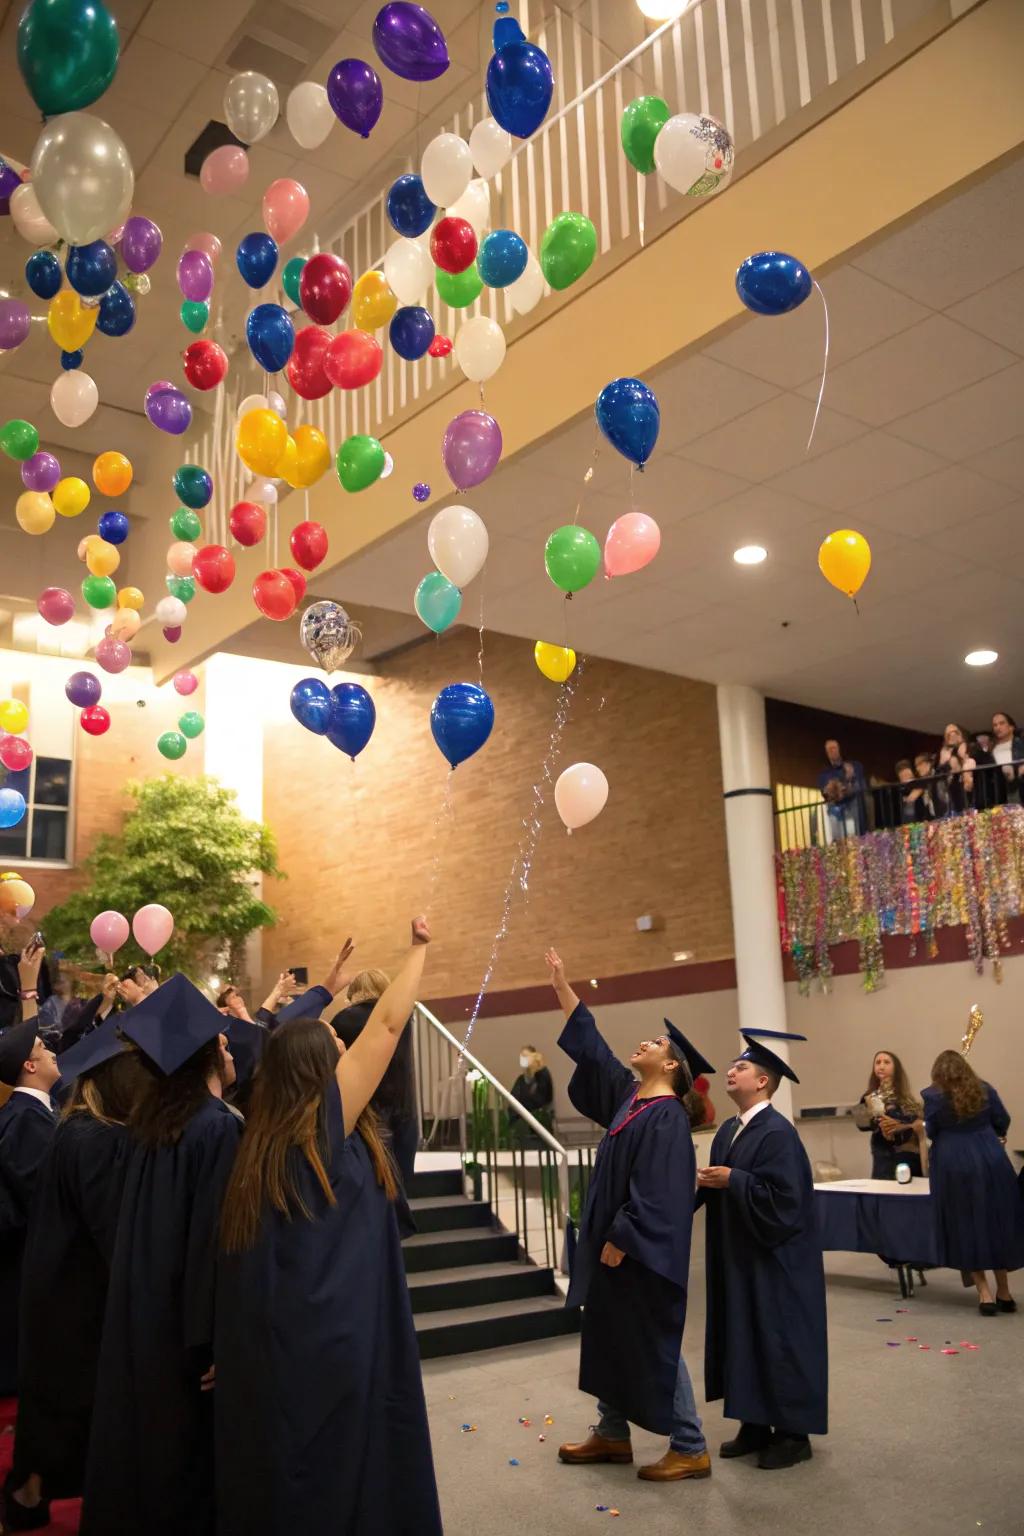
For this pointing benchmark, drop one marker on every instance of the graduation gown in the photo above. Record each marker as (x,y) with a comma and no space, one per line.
(640,1198)
(978,1210)
(766,1347)
(150,1461)
(27,1128)
(321,1420)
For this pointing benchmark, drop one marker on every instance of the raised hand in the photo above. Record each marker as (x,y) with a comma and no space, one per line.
(556,969)
(420,931)
(338,978)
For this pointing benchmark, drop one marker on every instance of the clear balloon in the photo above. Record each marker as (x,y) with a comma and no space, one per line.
(74,397)
(471,448)
(694,154)
(82,176)
(491,147)
(480,348)
(251,106)
(458,544)
(581,793)
(224,171)
(632,542)
(328,634)
(446,169)
(309,115)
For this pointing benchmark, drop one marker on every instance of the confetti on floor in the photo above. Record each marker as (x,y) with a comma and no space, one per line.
(924,1346)
(513,1461)
(883,1319)
(469,1429)
(892,1343)
(902,1309)
(964,1345)
(542,1438)
(602,1509)
(526,1423)
(950,1351)
(911,1338)
(548,1419)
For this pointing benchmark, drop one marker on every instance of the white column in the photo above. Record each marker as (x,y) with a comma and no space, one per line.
(233,741)
(750,838)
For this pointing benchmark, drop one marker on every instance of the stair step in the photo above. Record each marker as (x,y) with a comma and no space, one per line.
(444,1250)
(436,1181)
(449,1213)
(461,1329)
(469,1285)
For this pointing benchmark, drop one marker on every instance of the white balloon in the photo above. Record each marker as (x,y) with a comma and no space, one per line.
(446,169)
(458,544)
(490,146)
(263,490)
(29,220)
(480,349)
(527,291)
(581,793)
(252,403)
(82,176)
(251,106)
(74,397)
(170,612)
(408,271)
(309,114)
(275,402)
(475,207)
(694,154)
(389,467)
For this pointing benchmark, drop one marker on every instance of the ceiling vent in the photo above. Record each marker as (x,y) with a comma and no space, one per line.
(214,136)
(280,42)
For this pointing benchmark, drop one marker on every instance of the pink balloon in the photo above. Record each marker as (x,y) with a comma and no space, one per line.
(285,209)
(112,654)
(56,605)
(224,170)
(108,931)
(181,558)
(185,683)
(205,242)
(15,753)
(152,926)
(633,541)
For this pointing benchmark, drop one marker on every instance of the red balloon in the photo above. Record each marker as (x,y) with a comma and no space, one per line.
(297,580)
(325,287)
(274,595)
(214,568)
(95,720)
(453,245)
(305,368)
(440,346)
(205,364)
(248,522)
(15,752)
(308,544)
(353,359)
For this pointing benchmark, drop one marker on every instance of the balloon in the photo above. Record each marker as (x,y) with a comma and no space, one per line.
(459,289)
(274,595)
(409,208)
(12,808)
(308,544)
(34,512)
(195,276)
(130,597)
(109,931)
(9,183)
(458,543)
(567,248)
(373,303)
(356,95)
(13,716)
(297,580)
(224,170)
(112,473)
(408,271)
(264,490)
(409,41)
(642,121)
(556,662)
(248,523)
(193,485)
(153,925)
(503,258)
(15,324)
(632,542)
(352,718)
(471,448)
(82,177)
(291,275)
(305,370)
(17,898)
(285,208)
(170,612)
(441,346)
(71,496)
(102,559)
(116,312)
(325,287)
(185,683)
(844,559)
(69,324)
(40,472)
(572,557)
(251,106)
(95,720)
(19,439)
(82,689)
(186,525)
(437,602)
(168,409)
(181,558)
(191,724)
(520,83)
(353,359)
(15,753)
(360,461)
(181,587)
(311,704)
(312,457)
(205,364)
(411,332)
(113,527)
(581,793)
(694,154)
(328,634)
(29,219)
(56,605)
(446,169)
(256,258)
(628,414)
(308,114)
(73,398)
(421,491)
(70,360)
(125,625)
(194,316)
(772,283)
(44,274)
(99,591)
(284,469)
(141,243)
(474,206)
(491,147)
(480,348)
(453,245)
(389,467)
(271,336)
(91,268)
(112,654)
(67,53)
(461,719)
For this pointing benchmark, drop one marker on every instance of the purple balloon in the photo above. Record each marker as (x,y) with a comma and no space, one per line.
(409,41)
(356,95)
(83,689)
(195,276)
(141,243)
(168,409)
(471,448)
(15,323)
(172,634)
(10,181)
(421,491)
(41,472)
(112,655)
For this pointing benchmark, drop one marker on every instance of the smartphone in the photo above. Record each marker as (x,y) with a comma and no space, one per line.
(37,941)
(301,974)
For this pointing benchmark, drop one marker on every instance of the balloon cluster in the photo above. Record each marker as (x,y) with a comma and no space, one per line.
(174,744)
(152,926)
(694,153)
(84,690)
(16,756)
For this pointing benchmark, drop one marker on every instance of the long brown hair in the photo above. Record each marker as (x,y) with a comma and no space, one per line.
(110,1092)
(957,1079)
(166,1103)
(901,1090)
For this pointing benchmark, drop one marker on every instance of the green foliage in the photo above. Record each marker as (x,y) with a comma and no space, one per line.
(186,845)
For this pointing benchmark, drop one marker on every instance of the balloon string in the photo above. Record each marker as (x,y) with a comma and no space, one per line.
(641,204)
(824,371)
(480,652)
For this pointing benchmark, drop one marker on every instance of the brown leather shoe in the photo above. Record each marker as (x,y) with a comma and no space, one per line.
(596,1448)
(674,1466)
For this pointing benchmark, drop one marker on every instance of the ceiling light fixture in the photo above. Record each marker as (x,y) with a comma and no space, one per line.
(981,658)
(750,554)
(662,10)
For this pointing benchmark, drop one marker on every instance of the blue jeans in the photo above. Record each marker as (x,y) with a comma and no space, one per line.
(687,1437)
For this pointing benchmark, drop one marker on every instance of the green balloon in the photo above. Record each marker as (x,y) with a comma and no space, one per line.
(172,745)
(290,278)
(186,525)
(191,724)
(183,587)
(360,462)
(193,486)
(567,249)
(67,53)
(99,591)
(573,557)
(194,316)
(459,289)
(642,121)
(19,439)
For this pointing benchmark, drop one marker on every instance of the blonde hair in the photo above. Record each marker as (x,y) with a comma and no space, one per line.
(368,985)
(537,1062)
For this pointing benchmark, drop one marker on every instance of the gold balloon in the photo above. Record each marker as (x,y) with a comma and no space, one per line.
(312,457)
(17,898)
(34,511)
(373,302)
(844,559)
(112,473)
(102,558)
(13,716)
(130,597)
(71,496)
(262,439)
(286,465)
(70,323)
(557,662)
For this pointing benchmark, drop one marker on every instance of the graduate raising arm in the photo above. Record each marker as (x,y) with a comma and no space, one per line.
(600,1081)
(362,1066)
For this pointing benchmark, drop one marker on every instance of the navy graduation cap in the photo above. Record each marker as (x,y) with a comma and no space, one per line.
(92,1051)
(699,1065)
(763,1055)
(172,1023)
(15,1049)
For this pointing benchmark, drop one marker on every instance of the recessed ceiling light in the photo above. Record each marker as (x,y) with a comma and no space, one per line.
(750,554)
(662,10)
(981,658)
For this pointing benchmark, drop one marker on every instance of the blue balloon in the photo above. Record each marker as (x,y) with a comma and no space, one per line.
(12,807)
(353,718)
(311,705)
(409,208)
(69,360)
(411,332)
(461,718)
(502,258)
(256,258)
(271,336)
(91,268)
(117,311)
(113,527)
(519,80)
(628,415)
(772,283)
(43,274)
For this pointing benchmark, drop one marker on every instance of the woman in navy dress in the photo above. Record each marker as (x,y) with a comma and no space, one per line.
(979,1211)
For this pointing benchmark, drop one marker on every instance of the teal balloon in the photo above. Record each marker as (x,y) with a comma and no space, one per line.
(67,53)
(191,724)
(290,279)
(194,316)
(183,587)
(438,602)
(172,745)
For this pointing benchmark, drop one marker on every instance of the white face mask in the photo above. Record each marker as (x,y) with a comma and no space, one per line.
(524,1061)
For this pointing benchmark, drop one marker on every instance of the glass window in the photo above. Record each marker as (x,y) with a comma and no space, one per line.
(53,782)
(49,834)
(43,831)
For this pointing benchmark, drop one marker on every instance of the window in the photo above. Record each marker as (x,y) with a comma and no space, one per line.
(43,832)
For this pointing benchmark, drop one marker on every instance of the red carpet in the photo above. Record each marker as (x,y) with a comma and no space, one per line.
(65,1515)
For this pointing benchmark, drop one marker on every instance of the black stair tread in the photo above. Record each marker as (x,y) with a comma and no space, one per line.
(454,1235)
(489,1312)
(441,1202)
(469,1272)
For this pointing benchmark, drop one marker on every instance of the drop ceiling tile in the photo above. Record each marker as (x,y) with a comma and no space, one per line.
(986,540)
(996,312)
(955,497)
(154,78)
(852,474)
(1004,463)
(672,489)
(698,394)
(202,33)
(772,438)
(972,419)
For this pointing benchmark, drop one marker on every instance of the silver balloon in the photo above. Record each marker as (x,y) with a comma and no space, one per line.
(82,176)
(251,106)
(329,635)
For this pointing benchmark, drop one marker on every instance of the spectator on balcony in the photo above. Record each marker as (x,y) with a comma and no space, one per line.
(934,788)
(915,802)
(1008,752)
(970,782)
(842,783)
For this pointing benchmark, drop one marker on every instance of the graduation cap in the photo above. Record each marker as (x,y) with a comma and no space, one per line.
(172,1023)
(15,1049)
(763,1056)
(699,1065)
(103,1044)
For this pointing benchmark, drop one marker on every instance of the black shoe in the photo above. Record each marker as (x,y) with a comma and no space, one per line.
(18,1517)
(1005,1306)
(751,1438)
(987,1308)
(784,1451)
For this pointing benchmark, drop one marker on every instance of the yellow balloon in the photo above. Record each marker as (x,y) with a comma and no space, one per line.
(844,559)
(125,624)
(70,496)
(84,545)
(286,465)
(130,597)
(13,716)
(112,473)
(70,323)
(261,442)
(557,662)
(17,898)
(34,511)
(373,303)
(102,558)
(313,457)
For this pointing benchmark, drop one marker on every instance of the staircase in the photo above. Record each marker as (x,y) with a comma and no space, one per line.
(470,1286)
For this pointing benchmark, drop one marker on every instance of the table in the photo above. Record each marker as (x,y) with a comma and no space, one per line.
(896,1221)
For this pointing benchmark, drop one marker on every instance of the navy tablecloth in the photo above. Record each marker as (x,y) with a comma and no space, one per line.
(898,1226)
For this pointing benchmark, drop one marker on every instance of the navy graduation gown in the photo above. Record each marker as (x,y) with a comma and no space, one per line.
(27,1127)
(150,1462)
(640,1198)
(978,1209)
(766,1347)
(321,1420)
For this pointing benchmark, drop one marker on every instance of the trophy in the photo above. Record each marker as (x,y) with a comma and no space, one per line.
(974,1023)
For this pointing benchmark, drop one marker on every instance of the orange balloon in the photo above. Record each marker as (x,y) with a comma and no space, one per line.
(844,559)
(112,474)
